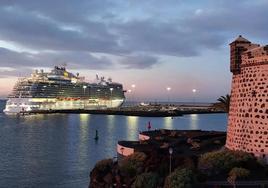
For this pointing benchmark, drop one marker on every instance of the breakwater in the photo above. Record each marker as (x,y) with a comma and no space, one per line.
(135,111)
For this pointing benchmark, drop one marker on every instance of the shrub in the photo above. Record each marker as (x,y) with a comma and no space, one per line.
(163,169)
(104,165)
(145,180)
(223,161)
(239,172)
(180,178)
(132,164)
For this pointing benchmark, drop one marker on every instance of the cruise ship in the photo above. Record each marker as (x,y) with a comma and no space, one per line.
(62,90)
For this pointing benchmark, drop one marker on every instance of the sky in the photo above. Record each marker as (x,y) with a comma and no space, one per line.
(154,44)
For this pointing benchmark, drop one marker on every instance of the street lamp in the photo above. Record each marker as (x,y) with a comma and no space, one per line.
(168,90)
(111,89)
(133,86)
(84,88)
(194,91)
(170,150)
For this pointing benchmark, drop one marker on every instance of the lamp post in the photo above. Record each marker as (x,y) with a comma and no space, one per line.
(111,90)
(170,150)
(84,88)
(194,91)
(97,96)
(168,91)
(133,87)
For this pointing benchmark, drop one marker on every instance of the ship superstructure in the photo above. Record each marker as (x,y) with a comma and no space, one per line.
(62,90)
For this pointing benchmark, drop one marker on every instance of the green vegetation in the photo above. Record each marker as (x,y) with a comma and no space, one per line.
(224,102)
(133,164)
(221,162)
(104,166)
(237,172)
(146,180)
(180,178)
(151,170)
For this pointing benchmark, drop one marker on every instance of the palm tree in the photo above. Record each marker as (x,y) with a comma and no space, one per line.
(225,102)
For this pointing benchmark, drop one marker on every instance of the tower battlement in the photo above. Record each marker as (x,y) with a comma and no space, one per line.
(248,115)
(237,48)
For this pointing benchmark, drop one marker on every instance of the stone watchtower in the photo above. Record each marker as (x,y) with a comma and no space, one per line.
(248,115)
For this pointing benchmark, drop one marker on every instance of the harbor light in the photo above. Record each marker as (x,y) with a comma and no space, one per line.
(194,91)
(168,90)
(129,91)
(84,88)
(111,89)
(133,85)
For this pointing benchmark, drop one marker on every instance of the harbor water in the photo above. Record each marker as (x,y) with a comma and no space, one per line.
(59,150)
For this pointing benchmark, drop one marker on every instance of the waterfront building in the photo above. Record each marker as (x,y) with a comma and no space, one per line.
(248,116)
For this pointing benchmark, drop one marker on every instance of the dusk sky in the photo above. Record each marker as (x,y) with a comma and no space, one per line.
(151,43)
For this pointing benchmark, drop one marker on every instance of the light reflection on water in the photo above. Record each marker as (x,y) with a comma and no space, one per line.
(59,150)
(132,127)
(168,123)
(193,121)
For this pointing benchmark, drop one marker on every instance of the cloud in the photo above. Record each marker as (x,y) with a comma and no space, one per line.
(9,58)
(228,19)
(165,38)
(42,33)
(22,72)
(43,26)
(139,62)
(74,60)
(72,32)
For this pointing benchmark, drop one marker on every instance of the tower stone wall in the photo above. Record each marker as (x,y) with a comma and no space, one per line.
(248,115)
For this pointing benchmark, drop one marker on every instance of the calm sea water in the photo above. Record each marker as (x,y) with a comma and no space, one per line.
(59,150)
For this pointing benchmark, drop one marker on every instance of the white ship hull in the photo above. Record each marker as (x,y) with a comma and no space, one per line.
(26,105)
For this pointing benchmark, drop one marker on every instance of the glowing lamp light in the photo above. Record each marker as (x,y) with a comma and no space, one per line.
(168,88)
(133,85)
(194,90)
(129,91)
(84,87)
(111,89)
(170,150)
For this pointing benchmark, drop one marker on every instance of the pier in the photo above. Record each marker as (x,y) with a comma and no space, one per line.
(139,110)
